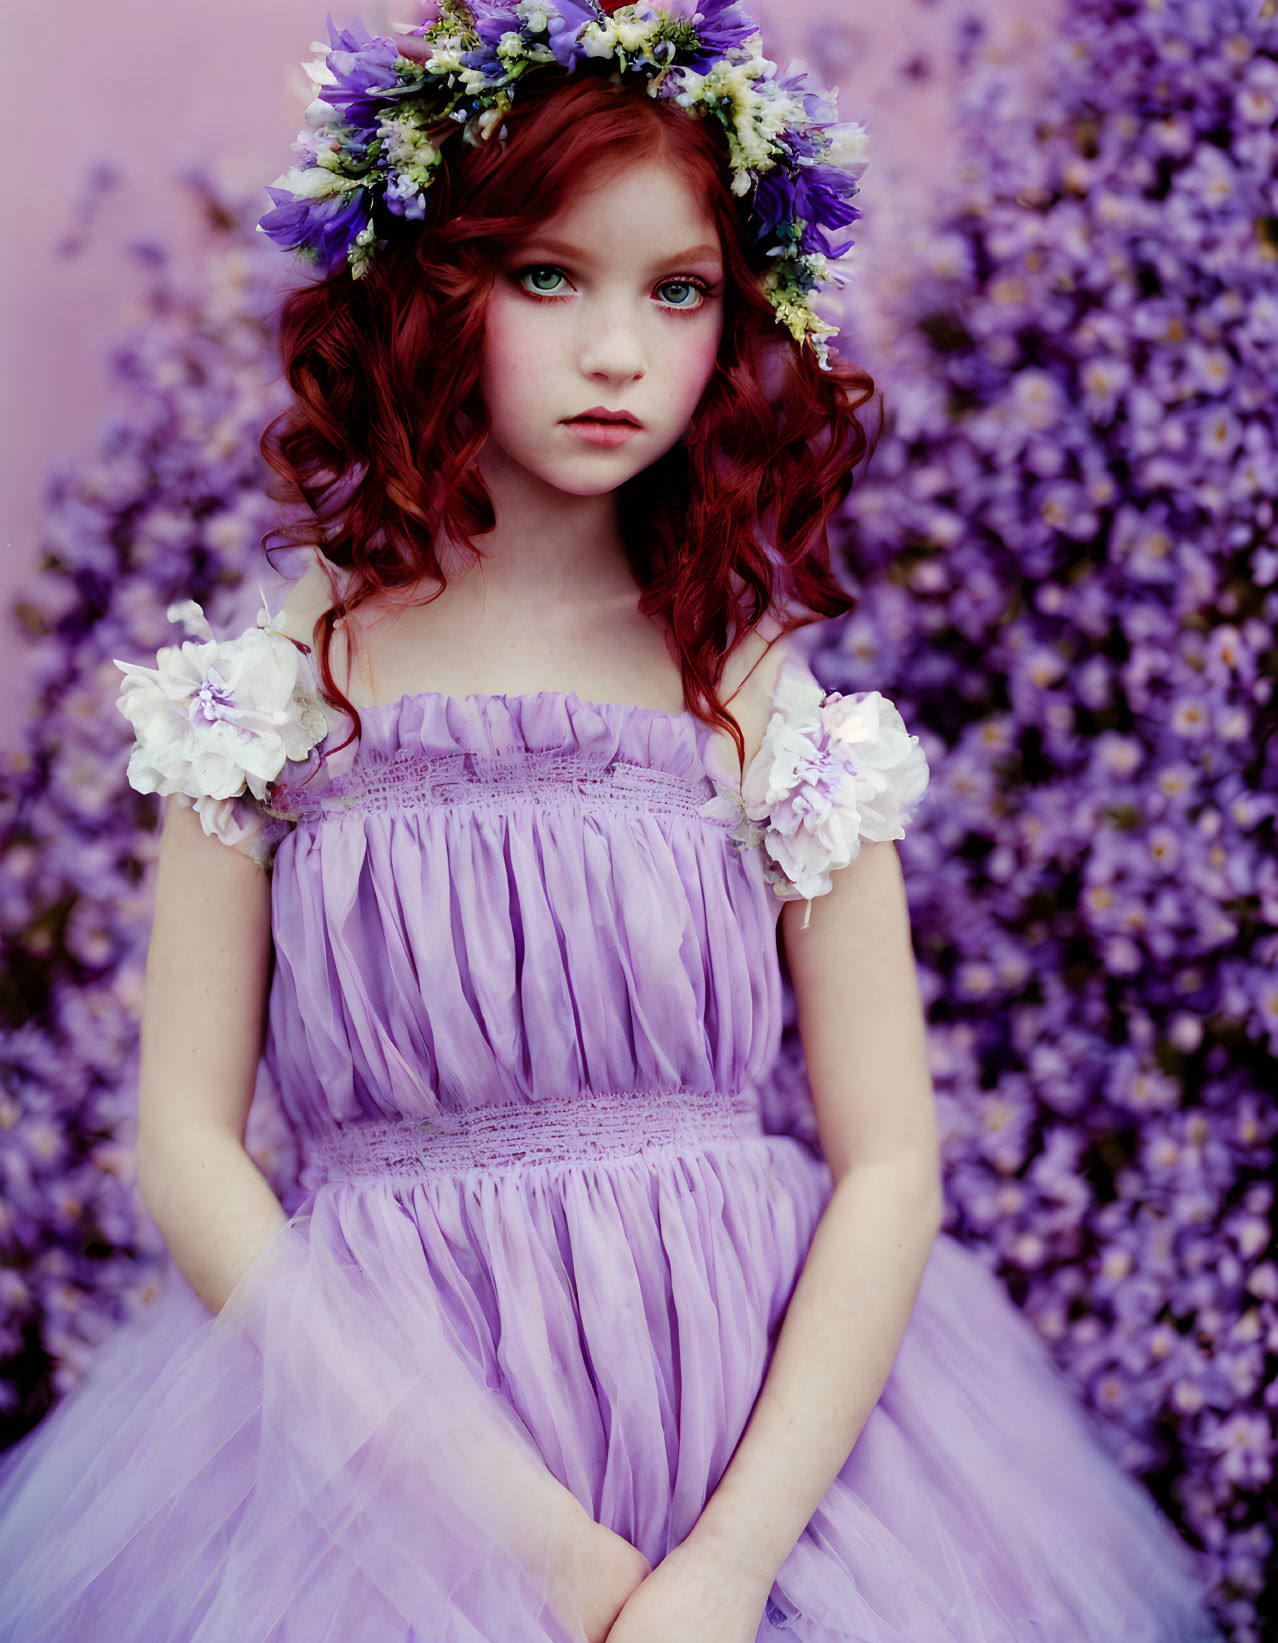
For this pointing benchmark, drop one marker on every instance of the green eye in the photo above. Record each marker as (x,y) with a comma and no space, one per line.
(542,275)
(536,269)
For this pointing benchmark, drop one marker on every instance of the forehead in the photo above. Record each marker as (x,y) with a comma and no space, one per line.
(647,209)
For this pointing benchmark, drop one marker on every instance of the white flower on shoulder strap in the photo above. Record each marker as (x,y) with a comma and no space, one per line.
(831,770)
(869,736)
(727,807)
(217,717)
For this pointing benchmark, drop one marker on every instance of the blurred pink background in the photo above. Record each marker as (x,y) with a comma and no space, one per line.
(151,88)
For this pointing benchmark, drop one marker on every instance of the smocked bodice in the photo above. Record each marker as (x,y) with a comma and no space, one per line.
(519,899)
(484,903)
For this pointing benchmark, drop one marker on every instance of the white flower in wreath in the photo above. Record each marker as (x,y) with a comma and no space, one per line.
(215,718)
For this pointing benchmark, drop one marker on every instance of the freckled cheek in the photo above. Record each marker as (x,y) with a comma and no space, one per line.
(690,368)
(517,364)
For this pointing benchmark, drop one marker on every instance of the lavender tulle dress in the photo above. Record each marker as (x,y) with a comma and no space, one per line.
(525,1007)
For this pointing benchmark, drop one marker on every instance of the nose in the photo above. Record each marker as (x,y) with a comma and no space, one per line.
(613,348)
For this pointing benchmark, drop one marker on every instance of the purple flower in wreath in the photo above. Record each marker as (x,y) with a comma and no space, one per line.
(361,67)
(563,24)
(322,226)
(818,194)
(720,26)
(374,148)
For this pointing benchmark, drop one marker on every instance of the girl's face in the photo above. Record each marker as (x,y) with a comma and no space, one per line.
(613,304)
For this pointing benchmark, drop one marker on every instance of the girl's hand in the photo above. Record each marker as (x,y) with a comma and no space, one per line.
(607,1569)
(694,1596)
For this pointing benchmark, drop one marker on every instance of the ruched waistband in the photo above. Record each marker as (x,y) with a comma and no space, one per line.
(577,1127)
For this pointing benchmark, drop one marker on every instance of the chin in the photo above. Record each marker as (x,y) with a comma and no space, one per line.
(599,484)
(603,471)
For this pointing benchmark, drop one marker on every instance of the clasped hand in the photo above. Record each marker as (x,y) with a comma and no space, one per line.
(696,1594)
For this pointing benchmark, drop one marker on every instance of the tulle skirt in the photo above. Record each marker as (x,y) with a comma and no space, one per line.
(388,1432)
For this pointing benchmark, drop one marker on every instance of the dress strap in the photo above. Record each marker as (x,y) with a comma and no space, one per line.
(832,769)
(216,721)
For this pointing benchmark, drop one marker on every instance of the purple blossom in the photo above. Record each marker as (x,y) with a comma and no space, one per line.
(820,194)
(1096,409)
(363,68)
(721,26)
(324,227)
(1246,1444)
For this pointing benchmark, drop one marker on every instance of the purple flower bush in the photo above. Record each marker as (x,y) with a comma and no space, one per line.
(1068,578)
(171,507)
(1065,554)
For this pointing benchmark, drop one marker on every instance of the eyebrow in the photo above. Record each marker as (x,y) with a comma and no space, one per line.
(562,248)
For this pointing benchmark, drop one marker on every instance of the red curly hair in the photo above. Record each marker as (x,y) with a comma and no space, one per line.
(377,451)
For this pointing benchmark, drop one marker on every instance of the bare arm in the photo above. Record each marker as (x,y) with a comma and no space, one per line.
(203,1017)
(204,1014)
(207,968)
(862,1026)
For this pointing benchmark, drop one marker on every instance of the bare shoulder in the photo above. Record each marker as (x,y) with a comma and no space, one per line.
(306,601)
(748,680)
(314,592)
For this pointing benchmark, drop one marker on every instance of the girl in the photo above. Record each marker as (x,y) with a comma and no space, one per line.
(582,1330)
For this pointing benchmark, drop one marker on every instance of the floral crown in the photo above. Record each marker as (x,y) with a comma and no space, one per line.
(368,149)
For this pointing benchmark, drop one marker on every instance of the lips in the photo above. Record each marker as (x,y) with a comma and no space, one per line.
(598,413)
(607,433)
